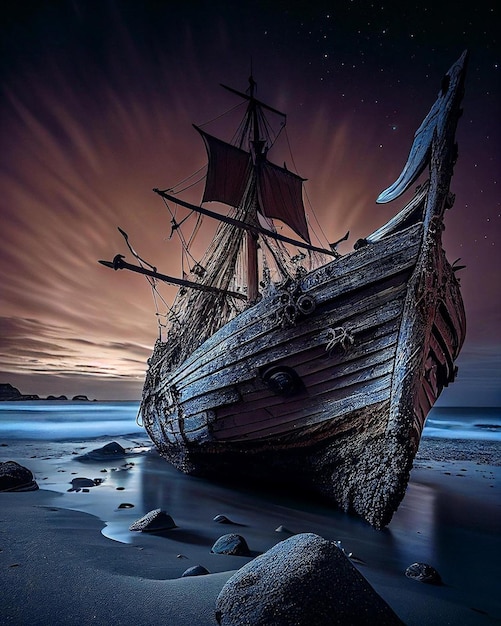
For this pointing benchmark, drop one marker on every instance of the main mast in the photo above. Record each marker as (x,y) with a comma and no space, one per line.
(252,263)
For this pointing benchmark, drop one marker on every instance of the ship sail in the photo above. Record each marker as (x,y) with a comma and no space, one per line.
(279,191)
(228,171)
(280,196)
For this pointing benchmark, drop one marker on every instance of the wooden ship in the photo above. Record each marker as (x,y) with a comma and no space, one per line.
(320,376)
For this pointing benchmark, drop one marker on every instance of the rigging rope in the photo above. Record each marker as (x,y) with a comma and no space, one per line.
(233,108)
(326,241)
(178,230)
(181,182)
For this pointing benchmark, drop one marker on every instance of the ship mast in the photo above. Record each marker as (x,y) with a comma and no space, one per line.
(252,263)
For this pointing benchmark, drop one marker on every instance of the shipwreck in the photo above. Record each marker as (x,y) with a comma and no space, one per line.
(312,367)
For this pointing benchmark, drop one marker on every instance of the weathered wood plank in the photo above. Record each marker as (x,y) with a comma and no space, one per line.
(351,271)
(248,369)
(359,316)
(358,397)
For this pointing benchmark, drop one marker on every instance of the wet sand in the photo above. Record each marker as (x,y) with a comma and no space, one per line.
(67,557)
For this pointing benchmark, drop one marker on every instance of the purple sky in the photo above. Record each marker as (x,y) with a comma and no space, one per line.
(97,102)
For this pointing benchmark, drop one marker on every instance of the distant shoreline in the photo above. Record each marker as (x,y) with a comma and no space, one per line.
(9,393)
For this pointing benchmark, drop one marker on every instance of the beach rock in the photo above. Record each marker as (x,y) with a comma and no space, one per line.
(154,521)
(283,529)
(423,573)
(16,477)
(303,580)
(232,544)
(112,450)
(125,505)
(78,484)
(222,519)
(196,570)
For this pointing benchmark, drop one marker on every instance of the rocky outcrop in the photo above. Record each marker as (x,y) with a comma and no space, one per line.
(9,393)
(303,580)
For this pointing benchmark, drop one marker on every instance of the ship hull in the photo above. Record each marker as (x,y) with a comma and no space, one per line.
(326,382)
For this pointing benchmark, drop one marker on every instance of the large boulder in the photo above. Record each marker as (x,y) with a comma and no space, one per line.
(301,581)
(15,477)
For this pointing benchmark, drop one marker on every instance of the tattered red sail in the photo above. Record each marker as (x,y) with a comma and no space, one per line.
(228,171)
(280,195)
(279,191)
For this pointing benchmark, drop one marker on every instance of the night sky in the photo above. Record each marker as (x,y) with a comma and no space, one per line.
(96,106)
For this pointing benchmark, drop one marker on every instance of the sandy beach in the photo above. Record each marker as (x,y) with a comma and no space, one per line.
(67,556)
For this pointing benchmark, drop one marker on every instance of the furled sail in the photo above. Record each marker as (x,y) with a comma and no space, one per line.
(279,191)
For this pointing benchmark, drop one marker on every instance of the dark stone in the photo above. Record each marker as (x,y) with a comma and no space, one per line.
(80,398)
(196,570)
(222,519)
(303,580)
(283,529)
(82,483)
(125,505)
(112,450)
(231,544)
(154,521)
(15,477)
(423,573)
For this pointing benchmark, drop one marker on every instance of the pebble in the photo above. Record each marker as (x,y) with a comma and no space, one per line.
(196,570)
(222,519)
(423,573)
(283,529)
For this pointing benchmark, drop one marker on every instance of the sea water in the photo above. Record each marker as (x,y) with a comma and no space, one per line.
(464,423)
(61,420)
